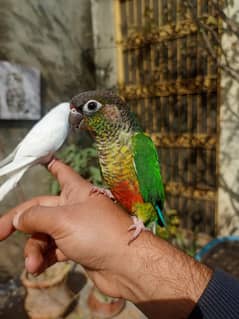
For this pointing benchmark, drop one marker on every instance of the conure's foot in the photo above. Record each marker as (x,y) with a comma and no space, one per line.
(103,191)
(138,227)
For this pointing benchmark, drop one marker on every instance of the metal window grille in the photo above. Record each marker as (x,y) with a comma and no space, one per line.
(172,84)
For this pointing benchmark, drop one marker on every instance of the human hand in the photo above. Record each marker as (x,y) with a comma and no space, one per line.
(92,230)
(88,229)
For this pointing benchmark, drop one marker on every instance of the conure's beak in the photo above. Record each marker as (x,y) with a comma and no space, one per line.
(75,117)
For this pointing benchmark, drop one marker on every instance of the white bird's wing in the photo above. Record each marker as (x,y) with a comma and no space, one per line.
(47,135)
(43,140)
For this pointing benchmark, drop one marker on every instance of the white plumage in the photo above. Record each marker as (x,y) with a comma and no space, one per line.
(38,146)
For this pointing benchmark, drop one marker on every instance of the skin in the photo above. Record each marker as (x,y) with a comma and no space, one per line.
(92,230)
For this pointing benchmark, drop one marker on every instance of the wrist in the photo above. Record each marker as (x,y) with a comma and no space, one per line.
(155,272)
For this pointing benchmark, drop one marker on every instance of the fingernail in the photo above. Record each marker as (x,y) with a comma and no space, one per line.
(52,162)
(16,219)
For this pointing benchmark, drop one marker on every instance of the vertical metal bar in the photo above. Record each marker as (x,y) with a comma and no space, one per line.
(137,8)
(199,48)
(118,36)
(158,126)
(218,114)
(178,155)
(207,105)
(178,10)
(133,30)
(159,46)
(162,118)
(165,11)
(154,115)
(170,60)
(156,11)
(175,174)
(183,115)
(199,114)
(140,106)
(199,8)
(172,6)
(189,129)
(152,102)
(196,110)
(152,49)
(178,42)
(160,13)
(170,107)
(143,60)
(169,132)
(129,15)
(139,14)
(143,13)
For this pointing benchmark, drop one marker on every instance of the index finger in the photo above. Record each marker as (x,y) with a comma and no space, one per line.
(69,180)
(6,221)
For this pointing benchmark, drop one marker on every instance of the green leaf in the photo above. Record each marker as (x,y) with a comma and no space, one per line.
(83,160)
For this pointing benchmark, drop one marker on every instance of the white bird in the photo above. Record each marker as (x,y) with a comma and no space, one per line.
(38,146)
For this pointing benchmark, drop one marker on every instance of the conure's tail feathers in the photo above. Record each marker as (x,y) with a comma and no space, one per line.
(161,219)
(9,158)
(7,186)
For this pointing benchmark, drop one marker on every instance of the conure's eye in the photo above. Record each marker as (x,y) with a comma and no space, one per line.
(91,107)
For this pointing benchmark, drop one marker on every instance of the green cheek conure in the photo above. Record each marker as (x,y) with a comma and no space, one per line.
(127,156)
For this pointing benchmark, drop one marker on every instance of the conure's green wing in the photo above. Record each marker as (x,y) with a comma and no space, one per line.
(147,169)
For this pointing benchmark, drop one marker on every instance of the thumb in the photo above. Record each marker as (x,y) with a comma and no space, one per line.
(38,219)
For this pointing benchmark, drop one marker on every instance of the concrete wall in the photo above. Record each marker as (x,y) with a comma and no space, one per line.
(228,205)
(56,37)
(103,23)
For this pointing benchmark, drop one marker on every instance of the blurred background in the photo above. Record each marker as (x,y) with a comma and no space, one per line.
(175,62)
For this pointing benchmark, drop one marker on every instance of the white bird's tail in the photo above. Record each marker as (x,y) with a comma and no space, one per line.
(9,158)
(16,165)
(6,187)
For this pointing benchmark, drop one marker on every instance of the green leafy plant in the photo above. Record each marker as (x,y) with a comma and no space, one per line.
(170,231)
(189,244)
(178,236)
(83,161)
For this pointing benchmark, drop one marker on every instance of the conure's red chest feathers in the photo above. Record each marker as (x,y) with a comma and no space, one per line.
(127,156)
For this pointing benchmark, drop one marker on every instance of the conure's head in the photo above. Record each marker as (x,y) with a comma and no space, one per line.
(102,112)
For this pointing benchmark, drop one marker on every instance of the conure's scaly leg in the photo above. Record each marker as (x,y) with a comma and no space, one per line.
(138,227)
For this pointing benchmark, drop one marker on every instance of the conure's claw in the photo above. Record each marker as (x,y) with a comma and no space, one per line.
(103,191)
(138,227)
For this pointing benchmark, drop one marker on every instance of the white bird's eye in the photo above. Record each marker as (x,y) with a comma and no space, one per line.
(91,107)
